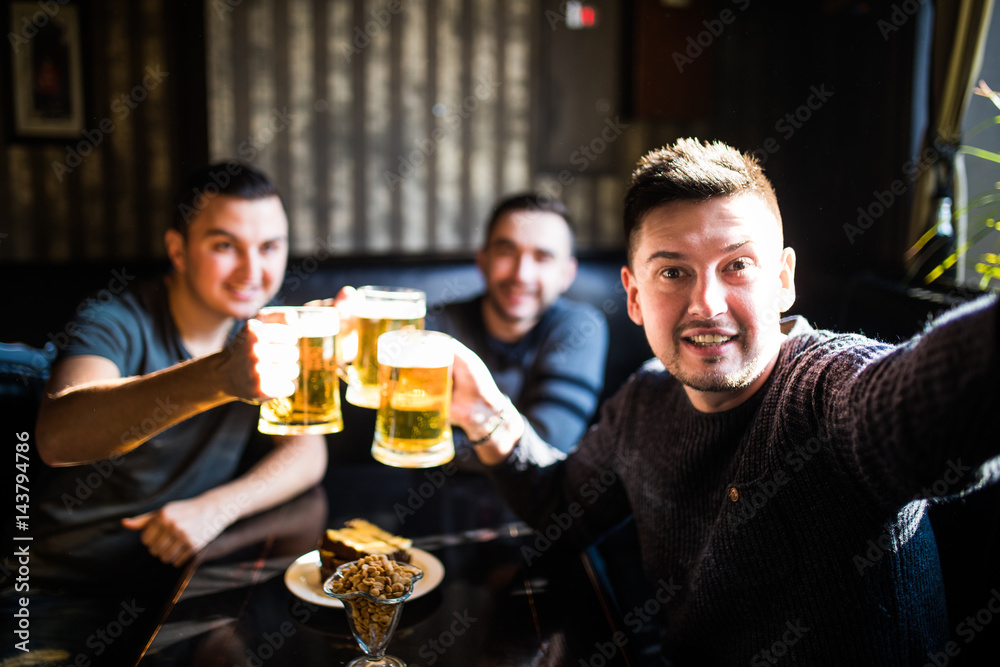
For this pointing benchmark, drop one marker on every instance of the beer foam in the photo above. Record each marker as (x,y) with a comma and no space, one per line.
(305,322)
(391,310)
(316,327)
(415,349)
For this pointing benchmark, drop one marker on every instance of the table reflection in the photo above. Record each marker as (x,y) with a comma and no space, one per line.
(493,606)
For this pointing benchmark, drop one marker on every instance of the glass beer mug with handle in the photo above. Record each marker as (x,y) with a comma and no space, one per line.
(379,310)
(412,429)
(315,405)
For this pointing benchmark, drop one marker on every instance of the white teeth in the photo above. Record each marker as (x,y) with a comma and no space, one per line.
(709,339)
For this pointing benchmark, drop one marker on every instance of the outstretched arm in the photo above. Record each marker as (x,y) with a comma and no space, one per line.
(91,413)
(538,481)
(917,412)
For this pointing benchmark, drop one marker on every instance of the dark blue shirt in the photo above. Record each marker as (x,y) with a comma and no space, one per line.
(553,375)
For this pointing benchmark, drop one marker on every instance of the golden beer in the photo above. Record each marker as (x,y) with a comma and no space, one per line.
(380,310)
(414,380)
(315,405)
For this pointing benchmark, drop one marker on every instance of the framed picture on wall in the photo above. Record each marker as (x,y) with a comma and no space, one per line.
(46,70)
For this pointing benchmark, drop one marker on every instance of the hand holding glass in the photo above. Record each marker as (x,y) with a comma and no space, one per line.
(314,406)
(412,429)
(379,310)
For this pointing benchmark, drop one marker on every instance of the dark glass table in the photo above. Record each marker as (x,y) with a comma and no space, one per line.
(505,598)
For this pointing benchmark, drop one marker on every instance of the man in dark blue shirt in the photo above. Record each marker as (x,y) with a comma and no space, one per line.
(546,353)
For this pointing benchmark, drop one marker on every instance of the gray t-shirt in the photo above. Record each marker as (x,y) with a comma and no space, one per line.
(76,521)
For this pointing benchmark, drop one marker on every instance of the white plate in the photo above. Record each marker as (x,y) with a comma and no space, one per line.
(302,577)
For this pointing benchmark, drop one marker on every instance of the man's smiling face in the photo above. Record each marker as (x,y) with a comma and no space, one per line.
(527,264)
(232,260)
(708,281)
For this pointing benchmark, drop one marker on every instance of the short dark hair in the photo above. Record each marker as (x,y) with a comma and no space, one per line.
(230,179)
(528,201)
(692,170)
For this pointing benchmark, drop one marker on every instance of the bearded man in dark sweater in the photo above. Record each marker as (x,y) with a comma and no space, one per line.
(846,434)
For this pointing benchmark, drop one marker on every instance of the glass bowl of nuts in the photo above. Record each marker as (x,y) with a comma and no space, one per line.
(373,590)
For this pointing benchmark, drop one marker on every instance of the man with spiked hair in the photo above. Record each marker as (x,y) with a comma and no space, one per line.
(759,458)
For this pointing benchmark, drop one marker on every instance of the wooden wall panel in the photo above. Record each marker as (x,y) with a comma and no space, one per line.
(391,127)
(409,119)
(107,193)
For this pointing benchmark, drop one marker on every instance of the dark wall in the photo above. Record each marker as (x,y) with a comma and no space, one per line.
(107,192)
(823,93)
(824,96)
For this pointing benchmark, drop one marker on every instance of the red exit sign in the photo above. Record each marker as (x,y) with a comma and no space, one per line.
(579,15)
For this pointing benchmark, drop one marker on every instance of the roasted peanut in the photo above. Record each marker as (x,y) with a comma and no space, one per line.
(380,578)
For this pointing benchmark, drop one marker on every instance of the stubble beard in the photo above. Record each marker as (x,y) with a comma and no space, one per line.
(717,380)
(496,304)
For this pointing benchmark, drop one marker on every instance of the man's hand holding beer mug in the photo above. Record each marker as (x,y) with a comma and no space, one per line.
(392,365)
(307,401)
(479,408)
(471,399)
(273,356)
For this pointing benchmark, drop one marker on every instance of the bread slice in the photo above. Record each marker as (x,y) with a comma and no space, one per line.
(356,539)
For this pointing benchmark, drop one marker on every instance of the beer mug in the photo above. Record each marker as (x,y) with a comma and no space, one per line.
(315,405)
(414,382)
(379,310)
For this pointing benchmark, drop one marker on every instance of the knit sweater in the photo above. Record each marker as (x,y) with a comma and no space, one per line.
(792,526)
